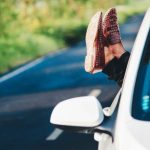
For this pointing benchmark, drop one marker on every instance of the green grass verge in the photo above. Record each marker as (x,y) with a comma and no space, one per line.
(18,50)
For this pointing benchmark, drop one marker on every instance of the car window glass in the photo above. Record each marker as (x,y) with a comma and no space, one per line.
(141,96)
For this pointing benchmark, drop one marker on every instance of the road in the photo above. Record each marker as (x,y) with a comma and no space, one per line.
(28,95)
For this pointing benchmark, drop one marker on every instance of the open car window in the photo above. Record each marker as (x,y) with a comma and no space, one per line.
(141,96)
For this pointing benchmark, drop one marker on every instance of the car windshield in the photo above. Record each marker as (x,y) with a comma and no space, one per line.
(141,97)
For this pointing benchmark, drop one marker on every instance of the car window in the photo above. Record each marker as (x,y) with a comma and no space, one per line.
(141,96)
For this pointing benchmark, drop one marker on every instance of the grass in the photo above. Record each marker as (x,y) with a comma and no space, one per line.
(16,51)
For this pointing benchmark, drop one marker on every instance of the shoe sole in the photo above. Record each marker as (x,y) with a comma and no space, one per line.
(91,34)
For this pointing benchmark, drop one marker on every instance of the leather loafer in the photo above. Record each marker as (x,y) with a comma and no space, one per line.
(111,27)
(95,42)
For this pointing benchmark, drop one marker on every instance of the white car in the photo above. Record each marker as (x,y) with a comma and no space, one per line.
(127,126)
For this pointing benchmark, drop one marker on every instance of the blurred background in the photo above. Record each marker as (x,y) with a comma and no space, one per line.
(42,51)
(32,28)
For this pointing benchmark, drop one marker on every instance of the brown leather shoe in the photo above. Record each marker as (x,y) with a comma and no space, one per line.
(111,27)
(95,58)
(99,45)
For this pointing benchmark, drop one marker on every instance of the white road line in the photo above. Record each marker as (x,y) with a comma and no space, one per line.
(20,70)
(29,65)
(54,135)
(57,132)
(95,92)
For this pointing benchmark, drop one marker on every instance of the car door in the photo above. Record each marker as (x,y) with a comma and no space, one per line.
(132,132)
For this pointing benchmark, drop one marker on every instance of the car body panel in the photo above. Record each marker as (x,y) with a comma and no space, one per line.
(131,133)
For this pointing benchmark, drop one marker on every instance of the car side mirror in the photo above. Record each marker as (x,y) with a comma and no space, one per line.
(84,112)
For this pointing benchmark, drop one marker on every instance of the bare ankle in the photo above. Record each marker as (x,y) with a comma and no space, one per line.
(108,55)
(117,50)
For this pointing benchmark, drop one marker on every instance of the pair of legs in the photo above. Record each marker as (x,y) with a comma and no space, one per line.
(116,60)
(105,51)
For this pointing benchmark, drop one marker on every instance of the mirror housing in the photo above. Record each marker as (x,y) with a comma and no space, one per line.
(84,112)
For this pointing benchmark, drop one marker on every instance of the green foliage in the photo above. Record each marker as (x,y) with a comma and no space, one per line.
(18,50)
(32,28)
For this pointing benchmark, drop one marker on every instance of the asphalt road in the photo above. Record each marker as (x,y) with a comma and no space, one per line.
(28,95)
